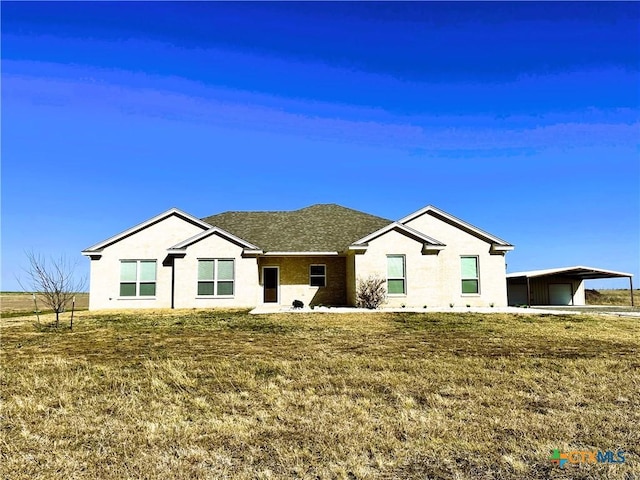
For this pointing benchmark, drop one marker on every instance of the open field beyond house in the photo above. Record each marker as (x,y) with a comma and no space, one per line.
(621,297)
(14,304)
(203,394)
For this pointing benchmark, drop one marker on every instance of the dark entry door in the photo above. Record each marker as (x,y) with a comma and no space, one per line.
(270,281)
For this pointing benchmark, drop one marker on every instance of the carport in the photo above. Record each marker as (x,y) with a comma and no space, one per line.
(556,286)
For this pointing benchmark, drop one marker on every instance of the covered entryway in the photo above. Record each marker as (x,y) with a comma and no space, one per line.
(270,280)
(556,286)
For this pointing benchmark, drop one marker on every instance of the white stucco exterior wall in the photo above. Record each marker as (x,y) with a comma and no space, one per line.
(246,288)
(492,267)
(579,297)
(150,243)
(423,272)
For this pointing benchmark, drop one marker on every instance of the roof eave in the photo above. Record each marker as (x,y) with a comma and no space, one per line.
(461,223)
(433,248)
(403,228)
(501,248)
(300,254)
(213,230)
(252,252)
(141,226)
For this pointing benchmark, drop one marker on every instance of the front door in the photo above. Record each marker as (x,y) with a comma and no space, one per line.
(270,282)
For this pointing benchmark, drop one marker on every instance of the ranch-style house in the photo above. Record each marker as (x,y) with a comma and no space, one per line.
(316,255)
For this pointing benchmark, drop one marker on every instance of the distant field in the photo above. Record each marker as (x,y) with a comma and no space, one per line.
(208,394)
(18,303)
(620,297)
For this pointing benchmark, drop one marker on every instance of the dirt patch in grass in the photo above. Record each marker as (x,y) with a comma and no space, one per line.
(207,394)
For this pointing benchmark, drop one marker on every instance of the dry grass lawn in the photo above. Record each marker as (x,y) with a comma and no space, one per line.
(208,395)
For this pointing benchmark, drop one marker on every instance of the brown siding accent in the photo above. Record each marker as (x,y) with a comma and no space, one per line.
(294,280)
(351,279)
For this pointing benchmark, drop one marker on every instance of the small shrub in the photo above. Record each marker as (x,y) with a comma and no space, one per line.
(468,305)
(424,306)
(297,304)
(451,305)
(492,304)
(370,292)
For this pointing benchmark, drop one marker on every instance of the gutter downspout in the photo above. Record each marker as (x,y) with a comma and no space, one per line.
(631,288)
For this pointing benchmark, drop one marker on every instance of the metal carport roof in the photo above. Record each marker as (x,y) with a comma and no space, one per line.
(583,273)
(578,272)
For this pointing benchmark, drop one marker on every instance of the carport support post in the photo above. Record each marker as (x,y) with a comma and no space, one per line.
(631,288)
(528,293)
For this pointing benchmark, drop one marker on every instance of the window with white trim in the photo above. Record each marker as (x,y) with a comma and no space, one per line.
(216,277)
(318,275)
(470,274)
(396,275)
(137,278)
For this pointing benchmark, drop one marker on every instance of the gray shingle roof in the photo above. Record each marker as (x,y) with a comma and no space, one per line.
(318,228)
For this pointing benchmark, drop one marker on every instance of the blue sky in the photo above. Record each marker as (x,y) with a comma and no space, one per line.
(521,118)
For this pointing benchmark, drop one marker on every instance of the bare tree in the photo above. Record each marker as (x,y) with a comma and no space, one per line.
(54,281)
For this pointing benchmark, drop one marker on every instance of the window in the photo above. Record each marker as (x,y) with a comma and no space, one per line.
(396,278)
(470,277)
(318,275)
(137,278)
(216,277)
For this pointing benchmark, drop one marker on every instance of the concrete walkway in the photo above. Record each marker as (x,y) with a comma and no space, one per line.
(265,309)
(599,309)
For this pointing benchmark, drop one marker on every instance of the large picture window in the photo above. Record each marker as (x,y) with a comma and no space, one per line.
(216,277)
(137,278)
(470,275)
(318,275)
(396,275)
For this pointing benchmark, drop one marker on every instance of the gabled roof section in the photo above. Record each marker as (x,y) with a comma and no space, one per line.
(318,228)
(580,272)
(397,226)
(180,247)
(497,243)
(98,247)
